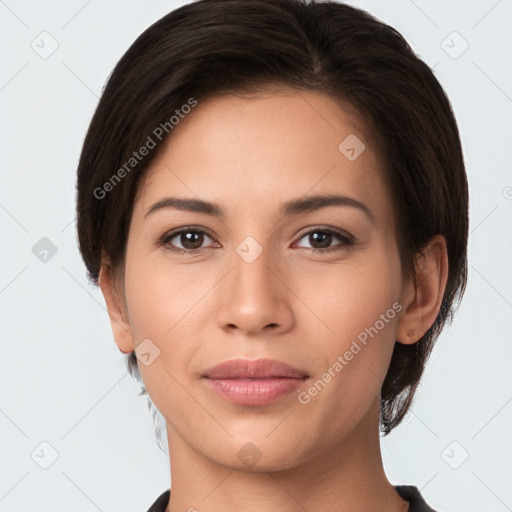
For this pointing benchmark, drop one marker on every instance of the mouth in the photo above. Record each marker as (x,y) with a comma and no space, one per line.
(254,383)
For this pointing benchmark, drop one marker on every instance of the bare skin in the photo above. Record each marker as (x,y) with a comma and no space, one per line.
(249,156)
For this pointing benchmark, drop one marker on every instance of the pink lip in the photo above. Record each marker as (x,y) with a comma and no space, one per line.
(254,383)
(259,369)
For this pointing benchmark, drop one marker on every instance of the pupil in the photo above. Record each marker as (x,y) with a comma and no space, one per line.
(188,236)
(322,236)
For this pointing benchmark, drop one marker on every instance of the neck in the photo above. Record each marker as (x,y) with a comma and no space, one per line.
(343,478)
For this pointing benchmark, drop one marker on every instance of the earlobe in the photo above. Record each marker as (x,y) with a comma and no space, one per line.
(120,326)
(423,301)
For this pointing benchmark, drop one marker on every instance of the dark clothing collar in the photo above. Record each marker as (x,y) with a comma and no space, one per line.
(409,493)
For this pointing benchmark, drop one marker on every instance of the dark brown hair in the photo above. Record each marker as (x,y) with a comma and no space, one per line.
(210,47)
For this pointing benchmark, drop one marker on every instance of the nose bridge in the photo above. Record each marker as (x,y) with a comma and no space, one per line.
(255,295)
(254,272)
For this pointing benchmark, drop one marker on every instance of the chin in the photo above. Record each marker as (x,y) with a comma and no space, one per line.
(255,454)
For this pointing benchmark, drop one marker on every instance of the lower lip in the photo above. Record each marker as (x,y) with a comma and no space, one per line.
(254,391)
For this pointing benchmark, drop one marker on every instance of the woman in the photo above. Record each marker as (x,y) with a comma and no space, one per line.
(273,200)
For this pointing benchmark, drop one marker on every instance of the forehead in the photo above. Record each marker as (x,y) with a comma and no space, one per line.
(270,146)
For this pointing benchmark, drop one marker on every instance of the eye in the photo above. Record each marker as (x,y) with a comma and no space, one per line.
(323,238)
(190,240)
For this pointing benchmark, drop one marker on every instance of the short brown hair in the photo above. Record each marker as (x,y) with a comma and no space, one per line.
(210,47)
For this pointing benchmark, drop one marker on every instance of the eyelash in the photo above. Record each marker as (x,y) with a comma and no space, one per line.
(347,240)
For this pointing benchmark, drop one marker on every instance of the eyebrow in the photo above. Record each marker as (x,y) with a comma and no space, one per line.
(291,207)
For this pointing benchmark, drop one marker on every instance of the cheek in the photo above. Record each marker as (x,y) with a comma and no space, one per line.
(352,297)
(161,309)
(162,299)
(167,306)
(351,359)
(360,307)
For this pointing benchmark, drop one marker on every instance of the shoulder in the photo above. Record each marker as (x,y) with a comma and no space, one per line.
(161,502)
(411,494)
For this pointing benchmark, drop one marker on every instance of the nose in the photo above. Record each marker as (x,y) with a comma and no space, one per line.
(255,296)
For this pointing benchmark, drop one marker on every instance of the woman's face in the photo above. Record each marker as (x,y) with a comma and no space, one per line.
(248,284)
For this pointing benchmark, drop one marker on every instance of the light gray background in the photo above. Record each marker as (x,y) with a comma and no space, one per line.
(63,380)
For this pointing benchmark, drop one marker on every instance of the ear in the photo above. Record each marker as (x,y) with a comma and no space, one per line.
(421,303)
(116,311)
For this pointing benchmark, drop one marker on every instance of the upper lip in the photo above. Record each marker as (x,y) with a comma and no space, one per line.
(246,369)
